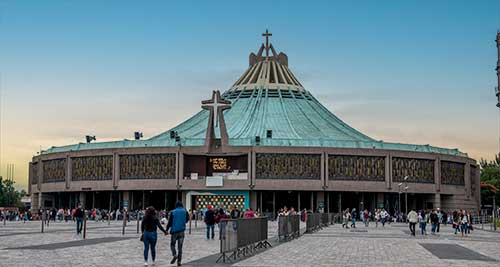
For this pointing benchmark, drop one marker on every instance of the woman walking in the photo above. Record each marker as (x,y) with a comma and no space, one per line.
(149,226)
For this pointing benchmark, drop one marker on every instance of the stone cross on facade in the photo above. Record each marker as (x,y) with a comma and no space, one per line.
(267,34)
(215,105)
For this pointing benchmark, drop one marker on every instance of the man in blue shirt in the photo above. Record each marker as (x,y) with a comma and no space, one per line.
(177,220)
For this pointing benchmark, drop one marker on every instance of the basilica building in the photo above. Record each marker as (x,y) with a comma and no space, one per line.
(264,143)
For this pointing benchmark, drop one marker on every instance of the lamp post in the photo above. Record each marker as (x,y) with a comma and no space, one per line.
(406,195)
(399,197)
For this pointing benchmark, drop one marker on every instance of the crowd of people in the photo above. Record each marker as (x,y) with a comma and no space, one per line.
(349,218)
(461,220)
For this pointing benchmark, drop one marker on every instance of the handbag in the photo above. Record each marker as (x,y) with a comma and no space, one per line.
(142,237)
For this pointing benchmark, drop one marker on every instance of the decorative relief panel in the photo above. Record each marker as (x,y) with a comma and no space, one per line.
(452,173)
(54,170)
(473,173)
(94,168)
(34,173)
(288,166)
(417,170)
(147,166)
(357,168)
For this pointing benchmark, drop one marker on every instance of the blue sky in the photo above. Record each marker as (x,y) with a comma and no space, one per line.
(401,71)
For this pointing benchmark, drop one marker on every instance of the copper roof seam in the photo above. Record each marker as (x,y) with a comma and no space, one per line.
(286,116)
(305,115)
(255,74)
(255,112)
(287,76)
(349,129)
(241,77)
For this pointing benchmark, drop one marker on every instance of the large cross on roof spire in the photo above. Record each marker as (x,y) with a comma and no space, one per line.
(267,34)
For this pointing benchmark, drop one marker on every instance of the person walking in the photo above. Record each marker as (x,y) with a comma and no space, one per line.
(354,215)
(221,215)
(366,217)
(345,217)
(423,222)
(434,221)
(250,214)
(236,214)
(150,224)
(210,221)
(177,220)
(464,223)
(79,213)
(456,221)
(412,220)
(383,217)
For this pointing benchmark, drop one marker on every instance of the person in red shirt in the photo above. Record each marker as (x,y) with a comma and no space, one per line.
(249,213)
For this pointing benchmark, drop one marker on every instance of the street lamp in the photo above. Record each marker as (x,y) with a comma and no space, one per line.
(399,197)
(406,195)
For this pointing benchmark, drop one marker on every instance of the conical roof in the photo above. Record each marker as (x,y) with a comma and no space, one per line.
(267,97)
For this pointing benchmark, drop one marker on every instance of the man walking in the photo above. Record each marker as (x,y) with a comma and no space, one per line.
(177,220)
(210,221)
(412,218)
(79,213)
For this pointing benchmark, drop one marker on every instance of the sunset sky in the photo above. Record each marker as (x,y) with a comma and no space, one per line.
(418,72)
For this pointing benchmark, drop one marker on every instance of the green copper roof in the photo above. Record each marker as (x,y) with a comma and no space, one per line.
(267,97)
(295,118)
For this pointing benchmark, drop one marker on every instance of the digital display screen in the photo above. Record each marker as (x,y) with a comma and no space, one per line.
(219,164)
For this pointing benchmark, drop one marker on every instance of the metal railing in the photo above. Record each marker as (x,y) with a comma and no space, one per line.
(242,237)
(288,227)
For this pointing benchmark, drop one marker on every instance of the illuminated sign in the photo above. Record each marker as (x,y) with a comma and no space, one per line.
(219,164)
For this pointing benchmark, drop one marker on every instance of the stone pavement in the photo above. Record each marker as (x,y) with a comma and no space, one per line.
(24,245)
(388,246)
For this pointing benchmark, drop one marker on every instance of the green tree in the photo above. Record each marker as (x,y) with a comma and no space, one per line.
(490,173)
(9,196)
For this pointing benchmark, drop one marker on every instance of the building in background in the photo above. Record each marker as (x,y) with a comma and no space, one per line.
(264,143)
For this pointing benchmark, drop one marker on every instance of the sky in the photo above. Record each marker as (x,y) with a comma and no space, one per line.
(420,72)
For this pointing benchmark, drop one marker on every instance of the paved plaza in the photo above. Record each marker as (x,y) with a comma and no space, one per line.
(23,245)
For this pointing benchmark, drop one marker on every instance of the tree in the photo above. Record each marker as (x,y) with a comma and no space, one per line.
(9,197)
(490,173)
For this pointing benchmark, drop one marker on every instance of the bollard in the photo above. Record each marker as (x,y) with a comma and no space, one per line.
(482,221)
(109,219)
(196,220)
(190,223)
(43,223)
(138,222)
(124,222)
(85,225)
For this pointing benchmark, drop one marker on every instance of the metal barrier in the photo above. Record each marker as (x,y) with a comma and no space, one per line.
(242,237)
(288,227)
(313,222)
(316,221)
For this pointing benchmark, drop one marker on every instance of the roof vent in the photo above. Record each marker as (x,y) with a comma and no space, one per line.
(269,133)
(257,140)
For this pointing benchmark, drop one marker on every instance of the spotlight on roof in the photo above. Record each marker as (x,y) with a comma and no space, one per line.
(257,140)
(173,134)
(269,133)
(137,135)
(89,138)
(177,138)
